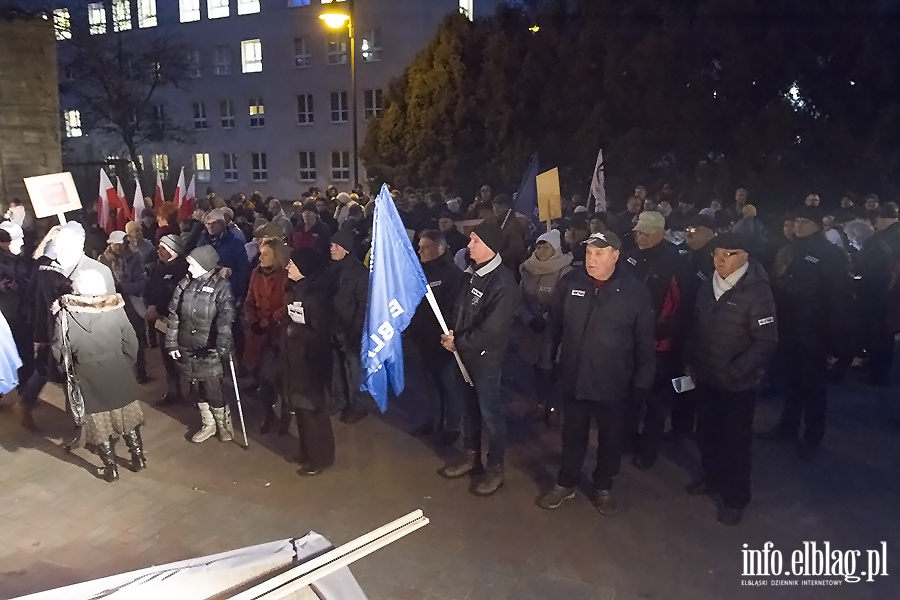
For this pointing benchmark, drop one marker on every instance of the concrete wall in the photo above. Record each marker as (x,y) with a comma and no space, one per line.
(29,105)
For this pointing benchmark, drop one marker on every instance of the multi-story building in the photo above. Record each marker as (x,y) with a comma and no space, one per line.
(270,85)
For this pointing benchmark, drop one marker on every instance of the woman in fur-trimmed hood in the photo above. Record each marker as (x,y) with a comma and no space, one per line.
(96,343)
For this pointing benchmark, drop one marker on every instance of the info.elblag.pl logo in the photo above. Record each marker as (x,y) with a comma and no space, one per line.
(815,564)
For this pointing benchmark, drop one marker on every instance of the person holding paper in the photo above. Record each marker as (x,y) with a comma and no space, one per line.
(732,337)
(304,361)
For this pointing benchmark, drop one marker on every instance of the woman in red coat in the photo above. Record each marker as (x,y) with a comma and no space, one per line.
(264,310)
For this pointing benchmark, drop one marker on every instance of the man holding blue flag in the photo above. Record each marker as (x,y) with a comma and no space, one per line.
(482,319)
(396,286)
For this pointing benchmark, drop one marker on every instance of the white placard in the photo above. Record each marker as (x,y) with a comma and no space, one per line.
(53,194)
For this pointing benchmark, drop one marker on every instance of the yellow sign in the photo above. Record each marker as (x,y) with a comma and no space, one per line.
(549,200)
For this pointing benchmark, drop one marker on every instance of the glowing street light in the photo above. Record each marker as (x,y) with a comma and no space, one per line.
(337,19)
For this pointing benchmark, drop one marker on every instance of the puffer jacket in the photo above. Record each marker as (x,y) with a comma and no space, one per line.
(605,334)
(662,269)
(350,289)
(812,289)
(232,255)
(200,319)
(732,339)
(484,312)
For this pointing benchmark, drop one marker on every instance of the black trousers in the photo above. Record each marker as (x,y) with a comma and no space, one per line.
(316,437)
(805,391)
(648,422)
(43,364)
(878,340)
(725,437)
(577,418)
(173,379)
(345,393)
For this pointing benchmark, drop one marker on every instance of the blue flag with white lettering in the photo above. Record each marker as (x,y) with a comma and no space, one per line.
(526,197)
(396,286)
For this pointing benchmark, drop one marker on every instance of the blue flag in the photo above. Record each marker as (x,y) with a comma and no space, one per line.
(396,286)
(526,197)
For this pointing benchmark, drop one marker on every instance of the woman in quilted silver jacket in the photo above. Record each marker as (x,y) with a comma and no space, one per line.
(199,338)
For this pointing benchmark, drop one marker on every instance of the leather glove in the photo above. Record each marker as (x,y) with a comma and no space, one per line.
(538,324)
(258,329)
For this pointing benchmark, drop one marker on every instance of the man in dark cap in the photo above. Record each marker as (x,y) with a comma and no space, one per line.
(455,239)
(733,335)
(350,292)
(602,320)
(812,290)
(481,323)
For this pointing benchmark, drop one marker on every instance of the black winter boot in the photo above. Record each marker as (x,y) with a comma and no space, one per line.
(136,447)
(107,454)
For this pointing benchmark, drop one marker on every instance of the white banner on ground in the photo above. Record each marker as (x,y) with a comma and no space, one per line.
(214,576)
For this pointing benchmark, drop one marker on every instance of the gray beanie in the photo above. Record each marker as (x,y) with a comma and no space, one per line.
(206,257)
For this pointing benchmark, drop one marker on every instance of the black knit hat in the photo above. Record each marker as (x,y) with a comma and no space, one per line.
(491,234)
(730,241)
(344,239)
(308,261)
(811,213)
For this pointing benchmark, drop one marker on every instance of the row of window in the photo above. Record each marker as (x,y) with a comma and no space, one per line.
(259,168)
(252,54)
(340,112)
(188,11)
(372,107)
(97,17)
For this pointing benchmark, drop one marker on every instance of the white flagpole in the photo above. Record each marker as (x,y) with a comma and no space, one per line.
(598,185)
(432,301)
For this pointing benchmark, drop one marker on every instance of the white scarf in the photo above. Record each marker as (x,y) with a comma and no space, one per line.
(720,285)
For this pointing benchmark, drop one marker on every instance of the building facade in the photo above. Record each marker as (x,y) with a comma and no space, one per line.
(29,105)
(268,100)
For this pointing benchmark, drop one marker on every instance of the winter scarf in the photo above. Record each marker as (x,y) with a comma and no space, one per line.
(546,267)
(720,285)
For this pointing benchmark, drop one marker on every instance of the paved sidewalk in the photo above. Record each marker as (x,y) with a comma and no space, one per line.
(60,525)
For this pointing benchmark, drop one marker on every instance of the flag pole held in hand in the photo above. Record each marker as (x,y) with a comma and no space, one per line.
(440,317)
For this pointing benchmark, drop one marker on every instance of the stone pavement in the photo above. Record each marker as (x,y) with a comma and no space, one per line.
(60,525)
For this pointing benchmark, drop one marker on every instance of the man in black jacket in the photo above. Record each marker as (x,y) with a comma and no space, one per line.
(443,406)
(877,293)
(163,277)
(733,335)
(699,233)
(482,319)
(603,322)
(15,271)
(658,265)
(456,241)
(812,290)
(350,289)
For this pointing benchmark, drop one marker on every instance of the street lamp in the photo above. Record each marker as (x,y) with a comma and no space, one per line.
(336,19)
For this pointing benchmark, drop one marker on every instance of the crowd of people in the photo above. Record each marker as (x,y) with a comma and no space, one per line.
(663,313)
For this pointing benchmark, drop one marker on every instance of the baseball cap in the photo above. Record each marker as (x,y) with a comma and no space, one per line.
(217,214)
(604,240)
(116,237)
(650,221)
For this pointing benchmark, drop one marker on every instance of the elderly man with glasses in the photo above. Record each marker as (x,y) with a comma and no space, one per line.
(733,335)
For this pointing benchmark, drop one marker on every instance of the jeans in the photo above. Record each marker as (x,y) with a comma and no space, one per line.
(446,392)
(578,415)
(725,437)
(484,409)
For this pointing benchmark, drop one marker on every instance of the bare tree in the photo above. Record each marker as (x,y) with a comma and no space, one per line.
(120,80)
